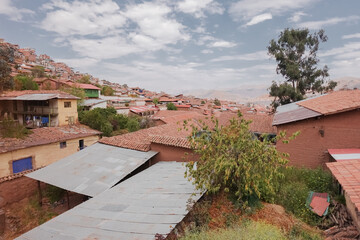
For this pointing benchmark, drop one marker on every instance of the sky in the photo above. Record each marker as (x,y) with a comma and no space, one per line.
(184,45)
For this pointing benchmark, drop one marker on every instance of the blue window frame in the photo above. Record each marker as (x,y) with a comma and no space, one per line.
(22,165)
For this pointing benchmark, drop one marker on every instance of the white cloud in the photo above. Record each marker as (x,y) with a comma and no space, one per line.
(255,56)
(341,52)
(245,10)
(328,22)
(14,13)
(94,17)
(198,7)
(355,35)
(207,51)
(259,18)
(297,16)
(100,29)
(222,44)
(153,21)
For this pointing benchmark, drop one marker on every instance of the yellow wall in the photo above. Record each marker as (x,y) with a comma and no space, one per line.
(42,155)
(65,113)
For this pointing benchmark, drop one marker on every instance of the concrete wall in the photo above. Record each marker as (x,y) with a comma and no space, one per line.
(42,155)
(170,153)
(309,149)
(66,113)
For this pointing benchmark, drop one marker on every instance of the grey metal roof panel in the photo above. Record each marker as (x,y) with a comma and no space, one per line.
(90,102)
(291,113)
(93,169)
(153,201)
(38,97)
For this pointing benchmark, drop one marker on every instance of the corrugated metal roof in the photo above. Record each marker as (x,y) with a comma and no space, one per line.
(345,154)
(292,112)
(93,169)
(153,201)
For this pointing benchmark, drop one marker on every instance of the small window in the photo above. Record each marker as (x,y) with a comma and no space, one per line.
(67,104)
(22,165)
(62,144)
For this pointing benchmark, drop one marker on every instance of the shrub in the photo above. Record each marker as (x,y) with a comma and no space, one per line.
(171,106)
(12,129)
(54,193)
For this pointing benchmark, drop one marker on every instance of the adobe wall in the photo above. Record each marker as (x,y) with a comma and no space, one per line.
(42,155)
(171,153)
(309,149)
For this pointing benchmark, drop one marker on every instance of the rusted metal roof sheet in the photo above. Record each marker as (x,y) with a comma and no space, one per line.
(149,203)
(292,112)
(92,170)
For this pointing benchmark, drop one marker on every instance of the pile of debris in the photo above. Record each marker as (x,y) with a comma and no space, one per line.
(342,226)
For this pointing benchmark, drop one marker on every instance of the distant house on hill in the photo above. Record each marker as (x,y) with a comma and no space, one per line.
(35,109)
(91,91)
(325,122)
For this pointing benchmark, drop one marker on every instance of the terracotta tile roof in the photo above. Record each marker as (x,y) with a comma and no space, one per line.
(46,135)
(141,140)
(348,174)
(338,101)
(171,141)
(83,85)
(168,116)
(56,93)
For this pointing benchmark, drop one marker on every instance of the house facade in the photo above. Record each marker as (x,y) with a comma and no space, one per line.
(34,109)
(325,122)
(43,147)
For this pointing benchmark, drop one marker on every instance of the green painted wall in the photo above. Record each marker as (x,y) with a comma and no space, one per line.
(92,93)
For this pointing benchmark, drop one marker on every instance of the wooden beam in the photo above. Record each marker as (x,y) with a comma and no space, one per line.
(40,193)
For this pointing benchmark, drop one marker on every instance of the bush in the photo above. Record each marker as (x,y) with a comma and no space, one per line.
(25,83)
(12,129)
(171,106)
(53,193)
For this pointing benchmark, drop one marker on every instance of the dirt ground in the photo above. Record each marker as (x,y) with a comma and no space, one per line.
(27,214)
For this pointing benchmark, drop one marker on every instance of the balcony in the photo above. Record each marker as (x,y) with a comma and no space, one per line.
(38,111)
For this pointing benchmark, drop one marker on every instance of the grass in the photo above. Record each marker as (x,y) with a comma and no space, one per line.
(295,187)
(248,230)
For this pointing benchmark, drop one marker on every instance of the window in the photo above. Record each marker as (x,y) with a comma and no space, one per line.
(81,144)
(22,165)
(62,144)
(67,104)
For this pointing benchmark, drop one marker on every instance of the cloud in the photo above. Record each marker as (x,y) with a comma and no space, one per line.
(245,10)
(222,44)
(255,56)
(297,16)
(328,22)
(342,52)
(81,64)
(94,17)
(15,14)
(355,35)
(207,51)
(100,29)
(259,18)
(197,8)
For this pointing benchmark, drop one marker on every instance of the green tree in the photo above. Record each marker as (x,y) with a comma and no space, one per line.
(155,101)
(25,83)
(38,72)
(202,102)
(107,91)
(6,58)
(77,92)
(84,79)
(171,106)
(233,160)
(217,102)
(295,52)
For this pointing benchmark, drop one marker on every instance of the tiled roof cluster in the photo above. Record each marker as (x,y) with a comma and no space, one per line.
(46,135)
(57,94)
(173,134)
(347,172)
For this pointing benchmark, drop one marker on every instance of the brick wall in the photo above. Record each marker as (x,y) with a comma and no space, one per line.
(17,189)
(309,149)
(170,153)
